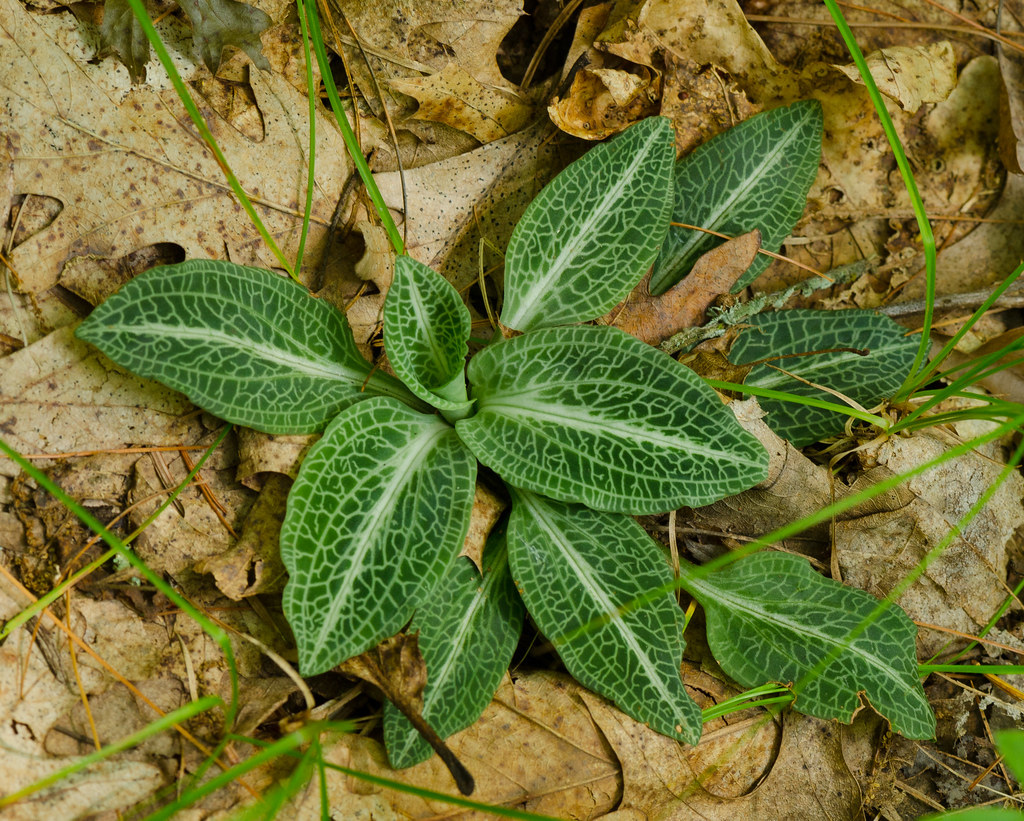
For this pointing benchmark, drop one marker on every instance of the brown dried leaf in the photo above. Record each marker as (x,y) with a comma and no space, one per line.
(966,584)
(253,564)
(455,203)
(487,509)
(653,319)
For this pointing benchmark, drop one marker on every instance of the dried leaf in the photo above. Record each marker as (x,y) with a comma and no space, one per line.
(133,174)
(220,23)
(454,97)
(1011,97)
(62,395)
(487,509)
(123,33)
(653,319)
(911,75)
(604,101)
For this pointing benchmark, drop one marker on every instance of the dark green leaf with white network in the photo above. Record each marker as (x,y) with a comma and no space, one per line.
(377,515)
(755,175)
(771,618)
(242,343)
(592,232)
(593,415)
(426,327)
(468,629)
(865,378)
(576,569)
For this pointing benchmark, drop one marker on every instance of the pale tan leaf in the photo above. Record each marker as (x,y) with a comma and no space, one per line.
(133,173)
(60,395)
(911,75)
(454,97)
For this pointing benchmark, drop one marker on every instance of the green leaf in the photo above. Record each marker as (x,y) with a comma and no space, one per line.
(426,328)
(220,23)
(577,569)
(122,32)
(771,618)
(468,630)
(867,379)
(592,232)
(378,513)
(593,415)
(247,345)
(755,175)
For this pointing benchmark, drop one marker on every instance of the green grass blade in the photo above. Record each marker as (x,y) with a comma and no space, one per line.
(351,143)
(927,238)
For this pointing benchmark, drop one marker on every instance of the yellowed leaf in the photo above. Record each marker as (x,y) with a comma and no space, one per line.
(911,75)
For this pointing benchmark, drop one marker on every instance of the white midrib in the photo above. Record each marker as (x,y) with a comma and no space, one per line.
(578,418)
(593,588)
(725,600)
(414,452)
(320,368)
(737,194)
(543,285)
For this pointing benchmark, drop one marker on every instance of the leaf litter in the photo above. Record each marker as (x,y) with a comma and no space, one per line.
(476,150)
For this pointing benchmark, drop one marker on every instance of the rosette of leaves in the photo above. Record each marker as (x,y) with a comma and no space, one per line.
(586,426)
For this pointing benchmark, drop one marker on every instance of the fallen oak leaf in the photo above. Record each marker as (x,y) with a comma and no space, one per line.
(397,669)
(653,319)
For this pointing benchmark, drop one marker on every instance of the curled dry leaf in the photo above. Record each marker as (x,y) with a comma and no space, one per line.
(653,319)
(604,101)
(911,75)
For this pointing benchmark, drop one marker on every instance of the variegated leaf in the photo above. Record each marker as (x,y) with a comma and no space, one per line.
(755,175)
(577,570)
(592,232)
(468,629)
(247,345)
(426,326)
(771,618)
(593,415)
(378,513)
